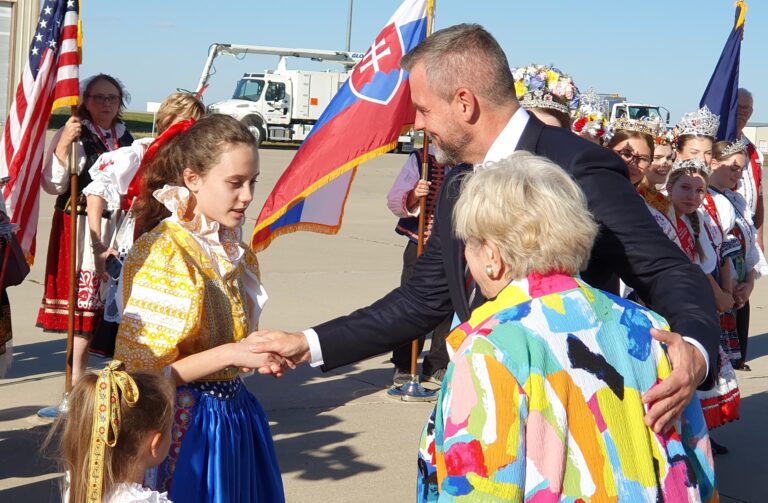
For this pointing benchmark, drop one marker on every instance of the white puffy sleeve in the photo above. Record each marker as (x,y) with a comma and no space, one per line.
(55,176)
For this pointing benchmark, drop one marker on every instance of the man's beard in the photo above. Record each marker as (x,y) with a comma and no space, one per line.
(451,152)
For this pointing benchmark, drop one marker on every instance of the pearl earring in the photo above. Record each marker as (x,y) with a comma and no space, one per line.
(489,271)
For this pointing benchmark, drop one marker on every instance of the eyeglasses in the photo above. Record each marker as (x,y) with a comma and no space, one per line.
(104,98)
(641,161)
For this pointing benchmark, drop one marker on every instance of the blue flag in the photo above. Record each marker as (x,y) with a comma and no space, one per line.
(721,94)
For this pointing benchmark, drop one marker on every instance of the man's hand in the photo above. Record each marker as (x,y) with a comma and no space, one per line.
(291,346)
(668,399)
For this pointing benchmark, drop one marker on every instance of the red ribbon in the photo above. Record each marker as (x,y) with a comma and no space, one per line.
(134,188)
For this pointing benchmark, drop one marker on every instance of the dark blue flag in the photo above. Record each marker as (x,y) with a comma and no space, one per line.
(721,94)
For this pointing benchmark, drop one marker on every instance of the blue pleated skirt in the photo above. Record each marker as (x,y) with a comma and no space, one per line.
(221,447)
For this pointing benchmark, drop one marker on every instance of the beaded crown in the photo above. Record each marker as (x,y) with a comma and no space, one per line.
(737,147)
(702,122)
(645,126)
(695,163)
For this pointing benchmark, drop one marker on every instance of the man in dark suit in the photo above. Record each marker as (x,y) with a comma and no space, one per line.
(463,91)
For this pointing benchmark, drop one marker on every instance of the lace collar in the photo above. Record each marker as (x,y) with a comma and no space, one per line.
(222,244)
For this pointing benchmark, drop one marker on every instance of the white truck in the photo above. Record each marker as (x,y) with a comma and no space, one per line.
(618,106)
(281,105)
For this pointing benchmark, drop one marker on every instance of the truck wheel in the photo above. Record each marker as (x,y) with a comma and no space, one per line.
(256,127)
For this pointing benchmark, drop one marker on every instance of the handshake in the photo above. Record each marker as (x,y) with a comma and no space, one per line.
(271,352)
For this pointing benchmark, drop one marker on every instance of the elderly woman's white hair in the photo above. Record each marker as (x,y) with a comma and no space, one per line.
(532,210)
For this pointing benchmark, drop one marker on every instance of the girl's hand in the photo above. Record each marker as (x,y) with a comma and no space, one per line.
(264,363)
(100,260)
(743,291)
(723,301)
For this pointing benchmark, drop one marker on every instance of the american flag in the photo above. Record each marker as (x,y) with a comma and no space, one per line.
(50,79)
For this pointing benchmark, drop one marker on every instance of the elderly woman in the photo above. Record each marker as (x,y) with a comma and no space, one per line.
(542,400)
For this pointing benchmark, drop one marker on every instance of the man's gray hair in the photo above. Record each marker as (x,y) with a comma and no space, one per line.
(743,91)
(464,55)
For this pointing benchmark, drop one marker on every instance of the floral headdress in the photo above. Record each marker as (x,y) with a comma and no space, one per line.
(544,86)
(667,136)
(590,114)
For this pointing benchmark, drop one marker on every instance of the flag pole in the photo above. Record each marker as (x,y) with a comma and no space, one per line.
(70,96)
(73,163)
(413,391)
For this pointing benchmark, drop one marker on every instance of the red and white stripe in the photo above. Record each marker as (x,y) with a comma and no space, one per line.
(23,142)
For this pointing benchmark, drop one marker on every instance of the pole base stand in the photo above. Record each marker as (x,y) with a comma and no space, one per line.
(54,411)
(412,391)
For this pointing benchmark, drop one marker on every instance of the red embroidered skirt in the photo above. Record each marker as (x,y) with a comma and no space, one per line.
(89,307)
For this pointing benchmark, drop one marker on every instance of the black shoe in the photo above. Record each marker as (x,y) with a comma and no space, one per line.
(401,377)
(717,448)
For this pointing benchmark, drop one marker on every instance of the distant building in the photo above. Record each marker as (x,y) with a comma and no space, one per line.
(757,132)
(18,21)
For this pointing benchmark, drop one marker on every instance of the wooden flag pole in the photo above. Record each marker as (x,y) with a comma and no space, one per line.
(420,244)
(72,299)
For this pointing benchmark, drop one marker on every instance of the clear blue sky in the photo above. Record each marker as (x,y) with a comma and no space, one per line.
(656,51)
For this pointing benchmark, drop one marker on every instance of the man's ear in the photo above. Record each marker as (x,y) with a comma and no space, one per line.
(466,104)
(192,180)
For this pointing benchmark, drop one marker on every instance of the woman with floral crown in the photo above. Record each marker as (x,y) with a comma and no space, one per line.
(547,93)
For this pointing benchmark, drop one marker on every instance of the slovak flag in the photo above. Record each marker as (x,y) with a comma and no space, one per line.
(364,120)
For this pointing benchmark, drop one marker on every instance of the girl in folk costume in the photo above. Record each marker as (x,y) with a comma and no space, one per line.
(192,292)
(117,426)
(95,129)
(633,140)
(653,185)
(745,259)
(116,178)
(687,188)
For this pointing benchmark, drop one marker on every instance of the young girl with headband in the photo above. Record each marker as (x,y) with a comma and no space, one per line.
(117,426)
(192,293)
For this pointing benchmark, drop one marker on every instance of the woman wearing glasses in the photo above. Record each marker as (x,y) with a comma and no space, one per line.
(95,129)
(633,140)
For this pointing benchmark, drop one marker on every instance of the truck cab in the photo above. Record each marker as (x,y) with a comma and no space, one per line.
(639,111)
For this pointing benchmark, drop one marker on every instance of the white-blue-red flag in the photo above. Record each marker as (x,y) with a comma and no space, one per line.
(363,120)
(50,80)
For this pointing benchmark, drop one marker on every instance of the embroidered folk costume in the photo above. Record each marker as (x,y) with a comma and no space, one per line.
(189,286)
(52,317)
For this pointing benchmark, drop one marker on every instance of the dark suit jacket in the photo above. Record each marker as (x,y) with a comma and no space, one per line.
(630,245)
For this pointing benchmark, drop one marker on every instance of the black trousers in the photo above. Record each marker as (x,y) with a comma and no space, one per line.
(437,358)
(742,329)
